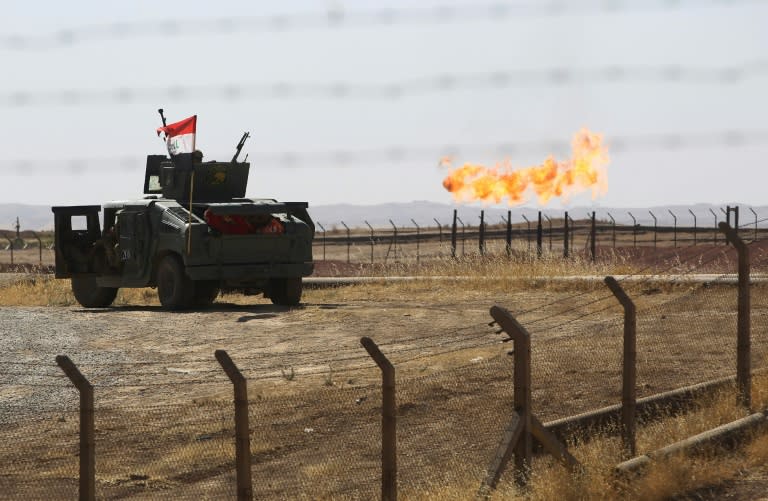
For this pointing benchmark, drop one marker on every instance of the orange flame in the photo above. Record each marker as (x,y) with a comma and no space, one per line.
(586,169)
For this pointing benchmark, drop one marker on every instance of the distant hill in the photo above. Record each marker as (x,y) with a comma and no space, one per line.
(40,217)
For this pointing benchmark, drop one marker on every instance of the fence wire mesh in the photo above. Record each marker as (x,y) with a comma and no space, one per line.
(167,429)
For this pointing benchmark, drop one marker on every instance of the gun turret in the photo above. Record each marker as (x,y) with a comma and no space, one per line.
(239,146)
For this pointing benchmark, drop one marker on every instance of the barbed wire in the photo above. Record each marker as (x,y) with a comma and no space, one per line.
(336,18)
(367,158)
(447,82)
(647,279)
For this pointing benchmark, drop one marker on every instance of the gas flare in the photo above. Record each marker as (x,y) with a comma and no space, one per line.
(585,170)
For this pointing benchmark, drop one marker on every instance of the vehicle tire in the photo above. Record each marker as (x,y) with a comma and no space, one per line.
(285,291)
(206,292)
(90,295)
(174,288)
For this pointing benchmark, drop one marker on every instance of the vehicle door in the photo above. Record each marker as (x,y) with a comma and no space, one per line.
(133,230)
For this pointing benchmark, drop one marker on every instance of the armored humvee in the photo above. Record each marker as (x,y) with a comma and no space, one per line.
(225,241)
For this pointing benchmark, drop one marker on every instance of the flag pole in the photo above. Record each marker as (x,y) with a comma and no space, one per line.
(191,190)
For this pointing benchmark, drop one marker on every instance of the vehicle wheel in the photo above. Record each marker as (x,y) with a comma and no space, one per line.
(285,291)
(206,292)
(174,288)
(90,295)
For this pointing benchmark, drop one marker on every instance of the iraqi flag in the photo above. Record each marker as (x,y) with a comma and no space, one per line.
(180,136)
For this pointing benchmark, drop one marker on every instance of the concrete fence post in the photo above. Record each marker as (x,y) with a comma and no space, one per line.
(743,342)
(242,433)
(388,421)
(629,369)
(87,487)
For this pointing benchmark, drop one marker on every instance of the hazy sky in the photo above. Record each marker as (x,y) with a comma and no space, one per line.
(626,69)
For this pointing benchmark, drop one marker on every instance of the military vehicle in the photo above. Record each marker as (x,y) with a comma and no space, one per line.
(192,234)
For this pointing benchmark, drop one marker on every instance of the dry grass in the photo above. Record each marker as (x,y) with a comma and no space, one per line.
(493,273)
(664,479)
(672,477)
(44,290)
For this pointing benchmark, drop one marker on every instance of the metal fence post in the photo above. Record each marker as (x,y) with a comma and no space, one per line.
(509,233)
(655,228)
(755,214)
(394,237)
(694,226)
(634,229)
(463,234)
(39,247)
(373,241)
(10,245)
(539,237)
(439,228)
(593,241)
(322,228)
(675,230)
(481,234)
(629,369)
(613,228)
(566,230)
(87,487)
(528,232)
(523,449)
(453,235)
(418,231)
(242,434)
(743,371)
(388,421)
(549,231)
(714,238)
(349,240)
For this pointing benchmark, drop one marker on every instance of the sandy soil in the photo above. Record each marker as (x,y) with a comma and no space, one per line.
(163,411)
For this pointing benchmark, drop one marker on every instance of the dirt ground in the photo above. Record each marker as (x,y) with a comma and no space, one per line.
(163,405)
(164,422)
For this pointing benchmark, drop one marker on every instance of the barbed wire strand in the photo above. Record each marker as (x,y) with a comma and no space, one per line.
(428,155)
(337,18)
(448,82)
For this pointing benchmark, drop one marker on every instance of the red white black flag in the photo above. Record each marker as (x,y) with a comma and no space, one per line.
(180,136)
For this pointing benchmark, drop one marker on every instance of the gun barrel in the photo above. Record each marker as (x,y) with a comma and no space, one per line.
(240,145)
